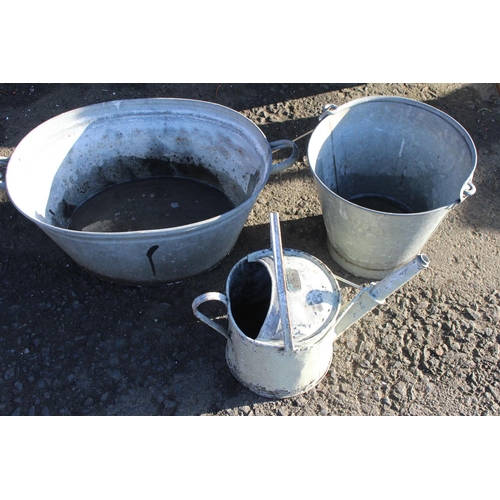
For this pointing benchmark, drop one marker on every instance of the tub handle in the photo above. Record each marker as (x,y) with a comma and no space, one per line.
(206,297)
(284,143)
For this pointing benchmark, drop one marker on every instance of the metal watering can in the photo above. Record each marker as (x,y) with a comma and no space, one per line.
(284,313)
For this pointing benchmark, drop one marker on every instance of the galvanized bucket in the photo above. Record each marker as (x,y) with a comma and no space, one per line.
(70,157)
(387,171)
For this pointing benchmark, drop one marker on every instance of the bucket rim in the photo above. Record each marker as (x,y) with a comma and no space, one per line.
(419,104)
(410,102)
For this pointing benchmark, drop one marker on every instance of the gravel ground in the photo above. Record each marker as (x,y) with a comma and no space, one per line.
(72,344)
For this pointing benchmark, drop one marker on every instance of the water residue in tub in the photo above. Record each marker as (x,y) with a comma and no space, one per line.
(150,203)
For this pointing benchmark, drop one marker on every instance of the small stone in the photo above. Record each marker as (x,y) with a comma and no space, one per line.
(386,401)
(475,315)
(246,409)
(400,388)
(413,410)
(439,350)
(341,398)
(301,400)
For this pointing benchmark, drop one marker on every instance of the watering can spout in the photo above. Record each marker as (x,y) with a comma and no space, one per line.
(376,293)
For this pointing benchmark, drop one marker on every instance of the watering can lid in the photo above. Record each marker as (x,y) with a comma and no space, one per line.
(306,294)
(313,297)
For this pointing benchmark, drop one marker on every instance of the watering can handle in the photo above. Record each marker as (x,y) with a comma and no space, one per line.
(279,272)
(210,322)
(284,143)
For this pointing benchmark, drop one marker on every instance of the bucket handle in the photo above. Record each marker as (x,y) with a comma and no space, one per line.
(206,297)
(284,143)
(470,191)
(328,109)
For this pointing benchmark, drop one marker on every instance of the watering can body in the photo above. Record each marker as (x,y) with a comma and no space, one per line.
(266,364)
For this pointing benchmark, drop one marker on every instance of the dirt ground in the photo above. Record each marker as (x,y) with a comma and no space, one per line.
(72,344)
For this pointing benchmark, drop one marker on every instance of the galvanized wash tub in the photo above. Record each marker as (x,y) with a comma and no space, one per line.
(409,162)
(70,157)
